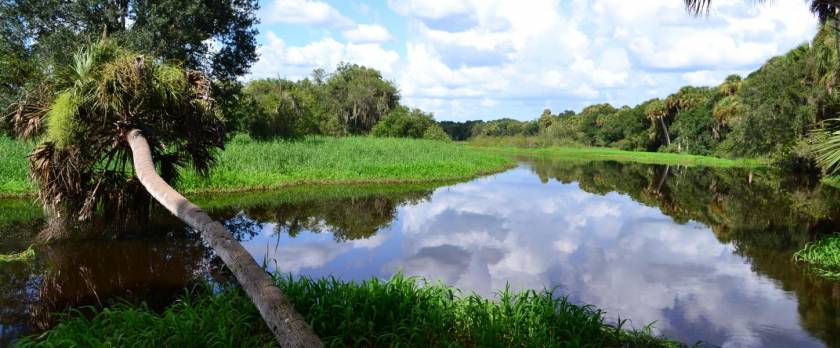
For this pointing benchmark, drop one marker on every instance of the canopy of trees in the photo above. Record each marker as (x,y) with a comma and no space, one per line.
(349,101)
(409,123)
(38,37)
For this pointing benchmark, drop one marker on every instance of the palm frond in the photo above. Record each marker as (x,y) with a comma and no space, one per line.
(82,167)
(827,146)
(698,7)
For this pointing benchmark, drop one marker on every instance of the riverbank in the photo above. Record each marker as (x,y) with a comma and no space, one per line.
(399,312)
(609,154)
(247,165)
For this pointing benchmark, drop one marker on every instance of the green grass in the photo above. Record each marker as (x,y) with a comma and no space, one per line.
(226,319)
(608,154)
(247,164)
(400,312)
(13,167)
(251,165)
(823,256)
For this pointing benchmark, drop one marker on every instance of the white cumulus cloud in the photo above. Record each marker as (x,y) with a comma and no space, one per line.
(304,12)
(367,33)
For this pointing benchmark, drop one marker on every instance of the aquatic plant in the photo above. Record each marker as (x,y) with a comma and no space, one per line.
(402,311)
(25,255)
(822,255)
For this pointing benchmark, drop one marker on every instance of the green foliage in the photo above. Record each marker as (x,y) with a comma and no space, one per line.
(248,164)
(360,97)
(278,109)
(827,146)
(349,101)
(45,30)
(505,127)
(62,125)
(823,256)
(460,131)
(81,165)
(693,130)
(777,108)
(351,314)
(591,118)
(435,132)
(13,173)
(403,122)
(198,319)
(401,311)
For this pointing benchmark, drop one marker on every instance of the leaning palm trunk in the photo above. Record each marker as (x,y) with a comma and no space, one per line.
(288,326)
(665,129)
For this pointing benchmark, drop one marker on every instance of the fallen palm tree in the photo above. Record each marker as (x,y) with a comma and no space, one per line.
(111,123)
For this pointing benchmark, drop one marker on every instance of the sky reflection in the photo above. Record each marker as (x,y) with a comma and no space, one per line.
(607,250)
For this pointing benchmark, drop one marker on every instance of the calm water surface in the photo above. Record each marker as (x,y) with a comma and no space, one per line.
(703,253)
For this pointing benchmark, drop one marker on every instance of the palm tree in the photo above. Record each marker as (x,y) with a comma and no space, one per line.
(658,110)
(826,139)
(730,86)
(118,118)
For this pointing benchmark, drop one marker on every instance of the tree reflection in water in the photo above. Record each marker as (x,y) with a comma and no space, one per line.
(156,265)
(766,214)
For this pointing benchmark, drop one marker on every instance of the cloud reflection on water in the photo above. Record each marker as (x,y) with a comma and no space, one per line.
(606,250)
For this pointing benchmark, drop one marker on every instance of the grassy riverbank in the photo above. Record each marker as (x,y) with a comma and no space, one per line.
(398,312)
(608,154)
(251,165)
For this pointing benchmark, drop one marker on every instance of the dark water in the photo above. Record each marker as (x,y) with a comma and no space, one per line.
(704,253)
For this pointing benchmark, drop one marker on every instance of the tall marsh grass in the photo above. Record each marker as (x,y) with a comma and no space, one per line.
(248,164)
(400,312)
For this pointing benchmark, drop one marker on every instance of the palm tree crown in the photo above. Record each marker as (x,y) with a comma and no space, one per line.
(82,164)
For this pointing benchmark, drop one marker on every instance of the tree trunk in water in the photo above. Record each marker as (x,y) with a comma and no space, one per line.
(665,129)
(288,326)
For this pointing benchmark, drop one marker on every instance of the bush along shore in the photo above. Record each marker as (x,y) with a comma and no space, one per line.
(401,311)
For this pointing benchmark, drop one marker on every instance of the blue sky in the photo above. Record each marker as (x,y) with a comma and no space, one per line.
(488,59)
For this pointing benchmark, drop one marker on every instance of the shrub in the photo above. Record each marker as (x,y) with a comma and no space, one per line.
(403,122)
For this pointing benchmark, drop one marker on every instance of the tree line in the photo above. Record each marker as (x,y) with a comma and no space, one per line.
(352,100)
(783,112)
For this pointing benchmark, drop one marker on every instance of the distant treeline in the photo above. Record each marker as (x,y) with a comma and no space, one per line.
(771,114)
(352,100)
